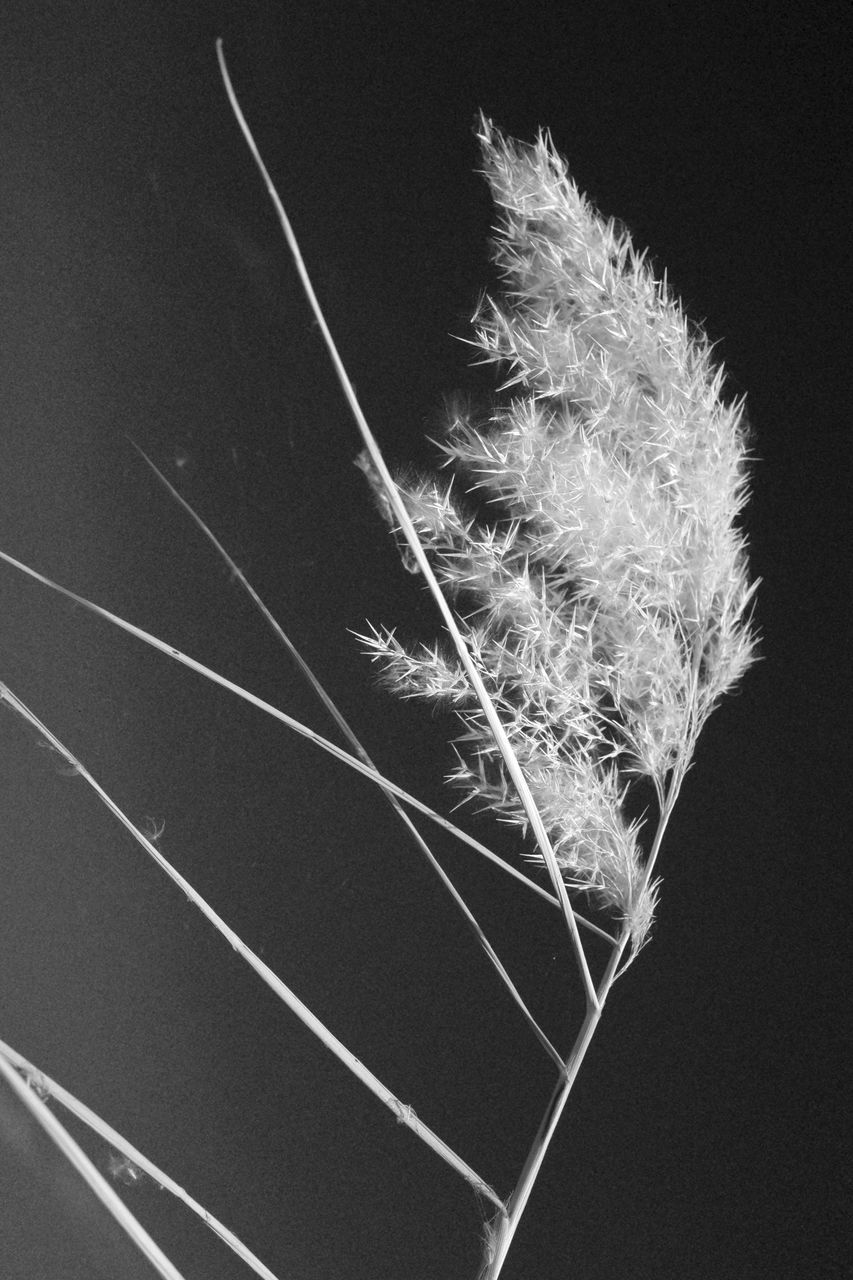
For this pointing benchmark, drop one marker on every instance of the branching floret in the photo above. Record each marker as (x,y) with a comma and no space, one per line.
(602,582)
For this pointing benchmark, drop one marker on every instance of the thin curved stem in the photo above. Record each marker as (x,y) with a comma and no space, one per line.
(502,1236)
(92,1176)
(43,1084)
(399,507)
(351,736)
(338,752)
(404,1114)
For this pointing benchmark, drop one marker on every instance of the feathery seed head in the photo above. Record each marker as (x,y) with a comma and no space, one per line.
(606,597)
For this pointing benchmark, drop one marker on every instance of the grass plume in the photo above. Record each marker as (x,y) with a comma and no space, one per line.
(582,544)
(593,548)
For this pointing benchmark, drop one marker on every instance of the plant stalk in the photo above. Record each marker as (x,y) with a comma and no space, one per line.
(500,1241)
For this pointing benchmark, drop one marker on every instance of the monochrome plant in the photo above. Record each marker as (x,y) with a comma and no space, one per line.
(594,551)
(582,545)
(607,588)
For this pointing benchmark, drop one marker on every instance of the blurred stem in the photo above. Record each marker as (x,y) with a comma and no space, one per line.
(92,1176)
(45,1085)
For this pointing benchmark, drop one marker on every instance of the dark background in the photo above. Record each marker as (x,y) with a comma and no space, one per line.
(145,292)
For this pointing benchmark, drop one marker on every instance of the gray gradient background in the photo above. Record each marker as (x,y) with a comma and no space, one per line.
(145,293)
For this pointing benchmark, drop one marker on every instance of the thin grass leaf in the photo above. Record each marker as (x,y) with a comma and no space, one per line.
(45,1087)
(391,493)
(92,1176)
(404,1113)
(467,915)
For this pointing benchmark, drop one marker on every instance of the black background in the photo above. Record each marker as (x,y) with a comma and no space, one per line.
(145,293)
